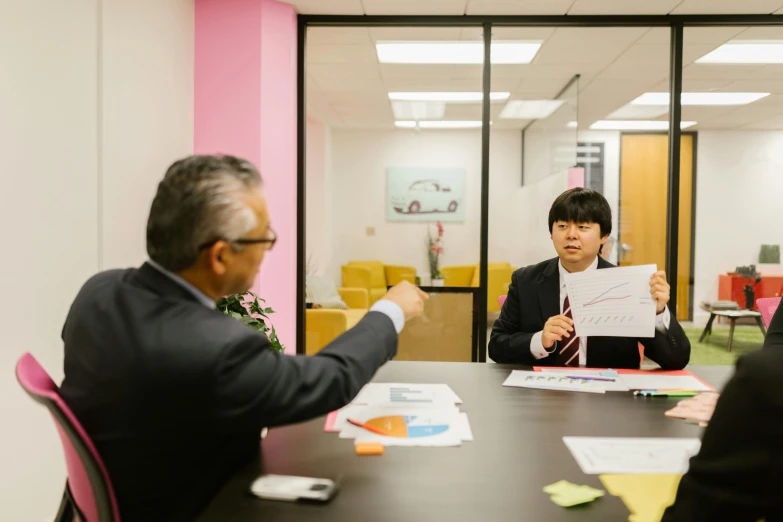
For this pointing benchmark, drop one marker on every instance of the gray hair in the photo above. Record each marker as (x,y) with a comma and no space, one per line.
(199,201)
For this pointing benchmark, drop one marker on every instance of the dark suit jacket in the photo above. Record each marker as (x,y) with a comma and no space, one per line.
(174,395)
(534,297)
(738,474)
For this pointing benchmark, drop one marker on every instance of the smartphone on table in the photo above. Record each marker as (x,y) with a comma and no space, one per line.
(292,489)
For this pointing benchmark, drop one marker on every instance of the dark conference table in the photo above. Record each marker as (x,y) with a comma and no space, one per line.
(517,450)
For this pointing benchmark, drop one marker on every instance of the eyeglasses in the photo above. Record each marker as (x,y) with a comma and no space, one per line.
(245,241)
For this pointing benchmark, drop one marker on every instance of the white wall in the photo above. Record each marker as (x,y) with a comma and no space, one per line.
(739,182)
(517,219)
(318,193)
(77,176)
(359,162)
(147,119)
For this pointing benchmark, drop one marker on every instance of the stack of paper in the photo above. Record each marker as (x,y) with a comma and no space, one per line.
(596,380)
(565,494)
(597,455)
(409,414)
(552,381)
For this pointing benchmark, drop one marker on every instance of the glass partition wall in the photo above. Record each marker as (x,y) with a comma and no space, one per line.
(400,179)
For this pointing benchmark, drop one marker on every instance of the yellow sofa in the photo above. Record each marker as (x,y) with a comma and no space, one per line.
(498,279)
(375,276)
(323,325)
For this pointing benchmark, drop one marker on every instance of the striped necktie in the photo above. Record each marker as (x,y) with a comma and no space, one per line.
(569,353)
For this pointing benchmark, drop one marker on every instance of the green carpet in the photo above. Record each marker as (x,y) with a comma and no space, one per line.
(712,352)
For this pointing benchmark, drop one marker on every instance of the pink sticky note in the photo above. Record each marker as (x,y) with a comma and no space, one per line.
(331,418)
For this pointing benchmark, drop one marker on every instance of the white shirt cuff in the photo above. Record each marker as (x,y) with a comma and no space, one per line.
(537,347)
(662,320)
(392,310)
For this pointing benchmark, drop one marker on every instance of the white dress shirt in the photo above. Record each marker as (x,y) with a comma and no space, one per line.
(537,346)
(392,310)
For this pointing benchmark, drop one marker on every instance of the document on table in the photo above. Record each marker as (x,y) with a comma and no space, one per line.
(551,381)
(636,381)
(407,394)
(614,302)
(410,426)
(616,384)
(664,382)
(597,455)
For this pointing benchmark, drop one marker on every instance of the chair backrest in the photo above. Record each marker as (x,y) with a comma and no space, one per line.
(767,307)
(377,274)
(88,480)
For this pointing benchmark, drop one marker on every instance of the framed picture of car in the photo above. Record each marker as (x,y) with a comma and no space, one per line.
(425,194)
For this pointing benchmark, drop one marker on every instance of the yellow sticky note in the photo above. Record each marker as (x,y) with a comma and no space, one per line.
(645,496)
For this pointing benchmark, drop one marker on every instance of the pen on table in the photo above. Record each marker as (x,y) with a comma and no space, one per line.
(367,427)
(603,379)
(662,393)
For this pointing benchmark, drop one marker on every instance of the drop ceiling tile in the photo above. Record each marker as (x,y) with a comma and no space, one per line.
(518,7)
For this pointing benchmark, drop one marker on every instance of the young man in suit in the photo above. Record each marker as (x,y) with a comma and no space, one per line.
(174,393)
(536,327)
(738,474)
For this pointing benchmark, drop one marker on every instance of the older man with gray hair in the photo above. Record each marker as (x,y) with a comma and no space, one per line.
(172,392)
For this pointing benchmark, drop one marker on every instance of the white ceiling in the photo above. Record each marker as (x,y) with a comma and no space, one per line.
(347,87)
(534,7)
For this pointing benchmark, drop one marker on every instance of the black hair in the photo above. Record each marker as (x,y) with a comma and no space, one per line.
(582,205)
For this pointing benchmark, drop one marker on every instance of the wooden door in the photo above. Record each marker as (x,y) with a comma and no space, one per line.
(643,189)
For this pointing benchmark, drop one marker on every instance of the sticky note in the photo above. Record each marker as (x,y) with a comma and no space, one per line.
(645,496)
(369,448)
(566,494)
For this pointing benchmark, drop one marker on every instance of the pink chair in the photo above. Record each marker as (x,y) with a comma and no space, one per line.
(501,300)
(88,491)
(767,307)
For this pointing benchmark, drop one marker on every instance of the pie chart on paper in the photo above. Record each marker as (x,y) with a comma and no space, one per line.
(405,426)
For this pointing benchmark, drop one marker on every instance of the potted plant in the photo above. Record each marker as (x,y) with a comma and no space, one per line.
(434,250)
(246,309)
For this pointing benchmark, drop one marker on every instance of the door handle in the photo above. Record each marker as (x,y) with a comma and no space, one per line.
(624,249)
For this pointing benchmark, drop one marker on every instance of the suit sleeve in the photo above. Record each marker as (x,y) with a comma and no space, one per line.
(258,387)
(774,338)
(671,350)
(507,342)
(737,475)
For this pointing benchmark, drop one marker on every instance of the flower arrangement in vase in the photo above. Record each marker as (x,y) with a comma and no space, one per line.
(434,250)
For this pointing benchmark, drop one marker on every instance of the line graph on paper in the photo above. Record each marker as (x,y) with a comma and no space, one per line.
(612,302)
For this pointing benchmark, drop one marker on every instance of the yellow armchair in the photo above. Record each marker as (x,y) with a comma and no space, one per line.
(461,275)
(498,279)
(375,276)
(355,297)
(397,274)
(324,325)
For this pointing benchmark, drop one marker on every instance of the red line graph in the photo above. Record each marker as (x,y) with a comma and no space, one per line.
(606,299)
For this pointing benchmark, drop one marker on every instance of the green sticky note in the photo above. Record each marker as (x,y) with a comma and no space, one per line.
(566,494)
(562,486)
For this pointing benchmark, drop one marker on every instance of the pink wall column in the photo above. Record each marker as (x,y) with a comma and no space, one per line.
(245,104)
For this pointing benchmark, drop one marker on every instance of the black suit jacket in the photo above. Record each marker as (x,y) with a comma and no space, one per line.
(738,474)
(174,395)
(534,297)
